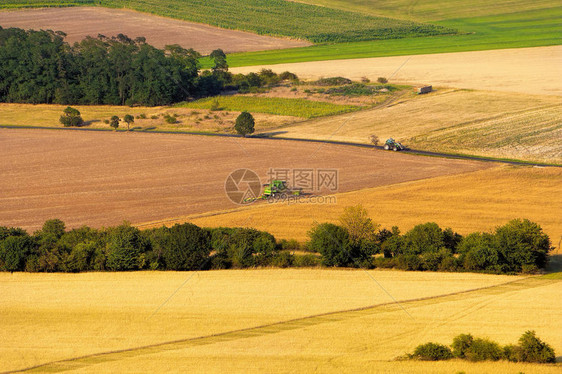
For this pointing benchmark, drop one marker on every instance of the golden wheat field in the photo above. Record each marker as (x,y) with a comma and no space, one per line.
(453,120)
(191,322)
(476,201)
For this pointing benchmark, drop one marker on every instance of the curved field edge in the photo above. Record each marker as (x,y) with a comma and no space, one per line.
(283,18)
(476,201)
(294,324)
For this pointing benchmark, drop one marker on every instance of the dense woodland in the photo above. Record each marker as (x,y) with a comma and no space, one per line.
(518,246)
(40,67)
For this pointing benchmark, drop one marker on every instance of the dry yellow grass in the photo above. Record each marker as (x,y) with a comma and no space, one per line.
(48,317)
(524,70)
(477,201)
(460,121)
(45,115)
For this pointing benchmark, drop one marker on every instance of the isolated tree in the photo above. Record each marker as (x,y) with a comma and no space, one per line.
(244,124)
(128,119)
(219,58)
(355,219)
(71,117)
(114,122)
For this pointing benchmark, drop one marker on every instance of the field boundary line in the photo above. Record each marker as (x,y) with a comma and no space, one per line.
(276,327)
(408,151)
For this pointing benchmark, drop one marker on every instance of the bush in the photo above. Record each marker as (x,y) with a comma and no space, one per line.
(244,124)
(482,350)
(408,262)
(71,117)
(125,246)
(427,237)
(283,260)
(478,251)
(382,80)
(333,81)
(114,122)
(14,251)
(288,76)
(461,344)
(532,349)
(432,352)
(306,261)
(522,242)
(332,241)
(187,247)
(171,119)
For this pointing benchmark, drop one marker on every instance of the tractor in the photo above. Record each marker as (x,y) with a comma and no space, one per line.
(394,145)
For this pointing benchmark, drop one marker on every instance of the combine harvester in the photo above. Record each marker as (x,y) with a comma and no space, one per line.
(276,189)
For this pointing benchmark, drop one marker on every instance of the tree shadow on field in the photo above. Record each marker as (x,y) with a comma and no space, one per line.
(268,134)
(554,263)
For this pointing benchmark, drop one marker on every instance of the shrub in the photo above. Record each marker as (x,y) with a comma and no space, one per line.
(408,262)
(482,350)
(244,124)
(427,237)
(461,344)
(522,242)
(306,261)
(14,251)
(114,122)
(333,81)
(283,260)
(432,352)
(382,80)
(478,251)
(187,247)
(432,260)
(215,105)
(374,139)
(71,117)
(393,245)
(532,349)
(171,119)
(125,246)
(288,76)
(332,241)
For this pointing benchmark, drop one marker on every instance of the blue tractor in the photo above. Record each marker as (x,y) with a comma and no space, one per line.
(394,145)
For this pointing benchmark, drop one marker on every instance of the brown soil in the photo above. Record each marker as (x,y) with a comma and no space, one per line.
(103,178)
(79,22)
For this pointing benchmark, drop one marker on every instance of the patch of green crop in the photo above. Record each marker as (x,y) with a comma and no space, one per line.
(14,4)
(272,105)
(514,30)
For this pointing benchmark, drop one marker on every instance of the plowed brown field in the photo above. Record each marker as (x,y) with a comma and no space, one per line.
(79,22)
(103,178)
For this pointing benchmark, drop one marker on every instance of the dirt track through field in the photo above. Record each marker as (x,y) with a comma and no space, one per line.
(295,324)
(524,70)
(79,22)
(102,178)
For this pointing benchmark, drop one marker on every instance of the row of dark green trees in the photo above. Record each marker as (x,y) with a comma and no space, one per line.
(39,67)
(518,246)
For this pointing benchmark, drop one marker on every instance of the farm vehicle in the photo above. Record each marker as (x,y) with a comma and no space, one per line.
(394,145)
(276,189)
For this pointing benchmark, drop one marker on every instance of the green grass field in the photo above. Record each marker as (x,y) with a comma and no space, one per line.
(14,4)
(514,30)
(272,105)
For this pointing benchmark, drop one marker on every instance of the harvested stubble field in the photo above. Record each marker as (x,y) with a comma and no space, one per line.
(79,22)
(50,317)
(477,201)
(486,123)
(523,70)
(102,178)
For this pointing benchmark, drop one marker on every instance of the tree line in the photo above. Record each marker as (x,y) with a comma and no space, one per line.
(39,67)
(518,246)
